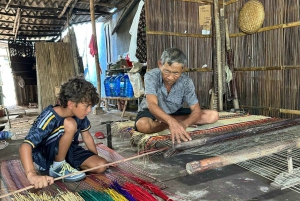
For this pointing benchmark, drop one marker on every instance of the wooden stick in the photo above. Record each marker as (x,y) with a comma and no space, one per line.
(219,65)
(240,156)
(87,170)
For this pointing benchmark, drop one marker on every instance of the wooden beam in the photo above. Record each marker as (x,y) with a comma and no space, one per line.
(124,15)
(30,24)
(52,9)
(36,17)
(17,23)
(98,4)
(230,2)
(33,7)
(95,3)
(34,36)
(39,30)
(65,8)
(177,34)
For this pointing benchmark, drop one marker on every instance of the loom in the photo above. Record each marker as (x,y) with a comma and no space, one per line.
(266,146)
(124,182)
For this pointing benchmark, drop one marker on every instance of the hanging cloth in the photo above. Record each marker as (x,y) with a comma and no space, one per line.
(133,32)
(93,46)
(141,51)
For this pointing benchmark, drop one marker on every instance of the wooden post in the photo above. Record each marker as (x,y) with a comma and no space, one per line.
(98,69)
(219,65)
(109,138)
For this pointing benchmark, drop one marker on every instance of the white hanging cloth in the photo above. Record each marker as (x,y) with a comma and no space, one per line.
(133,32)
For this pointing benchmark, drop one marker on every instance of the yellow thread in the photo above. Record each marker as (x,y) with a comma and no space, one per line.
(115,195)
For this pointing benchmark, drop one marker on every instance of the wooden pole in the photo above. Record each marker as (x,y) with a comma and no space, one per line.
(98,68)
(240,156)
(223,56)
(219,65)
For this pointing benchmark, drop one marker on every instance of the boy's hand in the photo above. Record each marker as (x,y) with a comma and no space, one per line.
(39,181)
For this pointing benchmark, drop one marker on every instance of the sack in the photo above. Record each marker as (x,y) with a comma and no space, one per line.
(137,85)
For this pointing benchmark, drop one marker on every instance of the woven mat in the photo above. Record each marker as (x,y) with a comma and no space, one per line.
(13,176)
(226,118)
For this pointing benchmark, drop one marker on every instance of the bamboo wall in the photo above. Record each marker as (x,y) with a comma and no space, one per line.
(54,66)
(174,23)
(267,63)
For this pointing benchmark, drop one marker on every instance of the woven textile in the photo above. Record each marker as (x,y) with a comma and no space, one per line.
(14,178)
(228,121)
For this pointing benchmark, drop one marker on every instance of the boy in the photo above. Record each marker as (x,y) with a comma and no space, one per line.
(52,142)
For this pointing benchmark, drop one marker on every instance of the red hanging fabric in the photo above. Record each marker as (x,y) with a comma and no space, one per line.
(93,46)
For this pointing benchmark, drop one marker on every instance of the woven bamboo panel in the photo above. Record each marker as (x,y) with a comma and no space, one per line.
(180,17)
(54,66)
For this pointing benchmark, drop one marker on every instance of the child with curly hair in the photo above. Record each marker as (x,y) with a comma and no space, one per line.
(52,142)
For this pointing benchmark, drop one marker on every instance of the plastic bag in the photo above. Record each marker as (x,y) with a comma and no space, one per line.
(137,85)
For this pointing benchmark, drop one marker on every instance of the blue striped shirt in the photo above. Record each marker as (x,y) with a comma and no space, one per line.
(182,91)
(46,132)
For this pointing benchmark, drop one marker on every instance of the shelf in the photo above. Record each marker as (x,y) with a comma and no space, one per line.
(125,69)
(126,99)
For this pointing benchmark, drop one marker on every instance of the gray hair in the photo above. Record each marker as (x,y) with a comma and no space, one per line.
(172,55)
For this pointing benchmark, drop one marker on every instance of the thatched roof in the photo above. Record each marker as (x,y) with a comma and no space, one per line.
(46,19)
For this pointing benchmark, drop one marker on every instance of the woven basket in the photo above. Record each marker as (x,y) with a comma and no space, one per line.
(251,16)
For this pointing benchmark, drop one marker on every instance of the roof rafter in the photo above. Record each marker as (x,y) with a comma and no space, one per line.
(22,30)
(37,17)
(32,24)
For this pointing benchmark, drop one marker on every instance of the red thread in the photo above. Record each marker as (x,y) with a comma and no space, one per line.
(138,193)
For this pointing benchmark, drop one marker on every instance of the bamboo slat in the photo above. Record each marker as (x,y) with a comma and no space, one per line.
(263,29)
(54,66)
(266,68)
(165,33)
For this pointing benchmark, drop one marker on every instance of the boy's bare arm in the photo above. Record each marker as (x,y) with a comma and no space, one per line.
(31,174)
(89,141)
(26,158)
